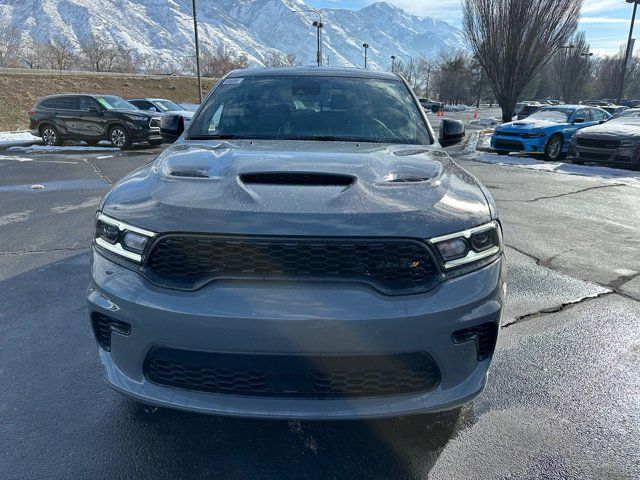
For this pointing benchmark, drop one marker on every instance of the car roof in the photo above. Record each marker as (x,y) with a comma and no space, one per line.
(314,71)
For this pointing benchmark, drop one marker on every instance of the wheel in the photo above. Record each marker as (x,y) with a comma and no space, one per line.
(156,142)
(119,137)
(50,136)
(553,148)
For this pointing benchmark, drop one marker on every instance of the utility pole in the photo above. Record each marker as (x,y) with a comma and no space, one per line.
(318,24)
(195,30)
(623,69)
(393,63)
(366,47)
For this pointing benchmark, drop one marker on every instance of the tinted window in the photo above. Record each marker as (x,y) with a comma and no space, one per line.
(299,107)
(85,103)
(67,103)
(597,115)
(142,104)
(50,103)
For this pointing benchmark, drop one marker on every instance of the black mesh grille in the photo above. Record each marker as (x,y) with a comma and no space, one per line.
(513,144)
(598,142)
(392,266)
(292,375)
(103,326)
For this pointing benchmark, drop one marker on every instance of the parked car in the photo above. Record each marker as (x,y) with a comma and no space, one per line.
(92,118)
(616,142)
(432,105)
(598,103)
(520,105)
(174,119)
(630,103)
(527,109)
(289,261)
(614,109)
(546,131)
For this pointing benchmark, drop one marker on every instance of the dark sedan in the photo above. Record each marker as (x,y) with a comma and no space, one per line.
(614,142)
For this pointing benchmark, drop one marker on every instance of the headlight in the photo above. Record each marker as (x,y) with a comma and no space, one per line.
(124,240)
(135,118)
(468,246)
(536,135)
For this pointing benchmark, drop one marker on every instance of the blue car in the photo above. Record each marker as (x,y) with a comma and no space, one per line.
(546,131)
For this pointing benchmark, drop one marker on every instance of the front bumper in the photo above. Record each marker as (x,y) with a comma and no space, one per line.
(512,143)
(306,318)
(622,156)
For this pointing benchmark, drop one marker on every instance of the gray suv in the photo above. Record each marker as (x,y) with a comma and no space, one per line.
(306,250)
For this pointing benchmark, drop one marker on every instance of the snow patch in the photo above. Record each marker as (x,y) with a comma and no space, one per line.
(64,148)
(607,173)
(17,138)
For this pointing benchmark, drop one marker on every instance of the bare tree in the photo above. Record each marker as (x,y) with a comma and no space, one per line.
(513,39)
(277,59)
(97,55)
(571,69)
(455,78)
(607,76)
(9,46)
(220,61)
(61,54)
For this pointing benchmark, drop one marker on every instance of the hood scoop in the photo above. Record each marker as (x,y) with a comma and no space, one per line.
(297,179)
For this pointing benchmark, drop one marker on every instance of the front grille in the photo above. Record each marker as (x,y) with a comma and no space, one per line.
(307,376)
(508,144)
(393,266)
(104,325)
(598,157)
(511,134)
(154,123)
(598,143)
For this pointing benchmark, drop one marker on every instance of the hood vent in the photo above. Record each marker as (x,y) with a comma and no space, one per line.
(308,179)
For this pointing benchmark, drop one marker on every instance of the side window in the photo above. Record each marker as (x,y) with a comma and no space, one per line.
(85,103)
(50,103)
(67,103)
(143,104)
(583,113)
(597,115)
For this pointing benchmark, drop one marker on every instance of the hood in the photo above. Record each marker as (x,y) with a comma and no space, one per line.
(301,188)
(527,124)
(622,129)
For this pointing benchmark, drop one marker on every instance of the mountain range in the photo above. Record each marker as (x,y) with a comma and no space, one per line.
(257,28)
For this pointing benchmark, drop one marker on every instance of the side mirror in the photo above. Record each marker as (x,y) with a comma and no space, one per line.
(95,109)
(602,121)
(451,131)
(578,120)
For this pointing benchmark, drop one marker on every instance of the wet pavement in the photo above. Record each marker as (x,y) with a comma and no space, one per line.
(562,401)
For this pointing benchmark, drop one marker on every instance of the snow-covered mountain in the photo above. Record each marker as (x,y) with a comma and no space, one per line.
(257,28)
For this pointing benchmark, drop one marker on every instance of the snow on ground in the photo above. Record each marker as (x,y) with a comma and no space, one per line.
(17,138)
(615,174)
(485,122)
(63,148)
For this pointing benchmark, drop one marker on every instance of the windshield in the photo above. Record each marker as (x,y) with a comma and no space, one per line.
(551,115)
(167,105)
(111,102)
(627,117)
(299,107)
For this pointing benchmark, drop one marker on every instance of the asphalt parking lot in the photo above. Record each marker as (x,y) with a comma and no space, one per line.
(563,398)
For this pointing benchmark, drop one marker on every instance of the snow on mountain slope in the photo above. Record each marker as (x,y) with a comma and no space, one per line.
(254,27)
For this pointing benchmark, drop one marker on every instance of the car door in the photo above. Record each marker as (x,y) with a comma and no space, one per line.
(91,122)
(581,118)
(66,115)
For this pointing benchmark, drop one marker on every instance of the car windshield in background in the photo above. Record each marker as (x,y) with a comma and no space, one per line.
(111,102)
(167,106)
(299,107)
(551,115)
(627,117)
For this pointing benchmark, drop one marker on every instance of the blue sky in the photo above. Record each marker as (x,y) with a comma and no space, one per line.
(605,22)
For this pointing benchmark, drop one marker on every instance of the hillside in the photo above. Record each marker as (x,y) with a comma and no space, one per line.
(19,89)
(164,29)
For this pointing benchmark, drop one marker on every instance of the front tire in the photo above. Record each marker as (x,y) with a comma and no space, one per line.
(50,136)
(553,148)
(119,137)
